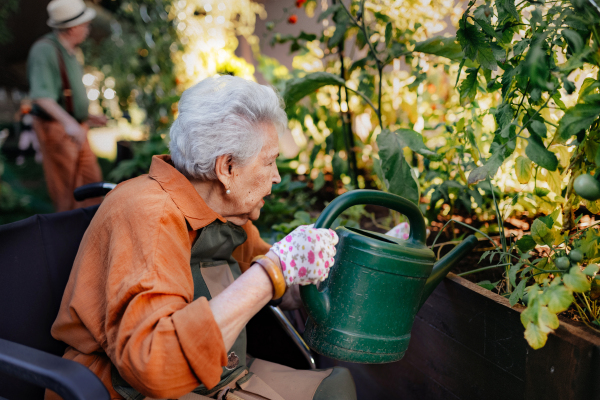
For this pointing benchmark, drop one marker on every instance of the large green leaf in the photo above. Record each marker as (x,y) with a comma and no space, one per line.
(297,88)
(577,118)
(414,141)
(440,46)
(537,152)
(470,39)
(395,169)
(559,298)
(485,57)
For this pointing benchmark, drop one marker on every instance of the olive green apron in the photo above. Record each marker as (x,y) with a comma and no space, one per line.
(213,269)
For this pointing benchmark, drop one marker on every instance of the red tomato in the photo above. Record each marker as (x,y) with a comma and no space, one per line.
(293,19)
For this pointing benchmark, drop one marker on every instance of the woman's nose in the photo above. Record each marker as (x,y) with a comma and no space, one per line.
(276,176)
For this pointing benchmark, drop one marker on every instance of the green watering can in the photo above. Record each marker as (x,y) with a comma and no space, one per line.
(364,311)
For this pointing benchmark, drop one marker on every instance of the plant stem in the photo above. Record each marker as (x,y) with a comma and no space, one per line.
(369,102)
(473,271)
(465,225)
(380,69)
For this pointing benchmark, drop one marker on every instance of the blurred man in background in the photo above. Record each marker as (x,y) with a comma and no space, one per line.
(61,105)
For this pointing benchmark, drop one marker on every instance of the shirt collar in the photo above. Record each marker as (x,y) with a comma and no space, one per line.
(183,194)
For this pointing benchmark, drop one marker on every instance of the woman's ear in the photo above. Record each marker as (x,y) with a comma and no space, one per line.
(224,169)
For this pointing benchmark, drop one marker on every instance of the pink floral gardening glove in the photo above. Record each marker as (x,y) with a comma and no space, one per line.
(306,254)
(401,231)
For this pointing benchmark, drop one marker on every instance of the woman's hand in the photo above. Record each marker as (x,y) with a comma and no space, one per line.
(306,254)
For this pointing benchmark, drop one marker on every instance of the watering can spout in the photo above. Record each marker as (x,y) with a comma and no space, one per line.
(443,266)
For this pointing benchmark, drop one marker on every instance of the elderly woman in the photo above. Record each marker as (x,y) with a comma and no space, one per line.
(171,268)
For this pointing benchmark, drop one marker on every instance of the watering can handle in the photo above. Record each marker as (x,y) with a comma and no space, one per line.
(377,198)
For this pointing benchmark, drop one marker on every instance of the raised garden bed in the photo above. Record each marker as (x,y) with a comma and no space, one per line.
(467,343)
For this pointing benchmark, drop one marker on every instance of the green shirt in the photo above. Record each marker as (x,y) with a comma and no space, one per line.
(44,75)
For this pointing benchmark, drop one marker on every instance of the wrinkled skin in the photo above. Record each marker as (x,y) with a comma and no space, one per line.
(248,184)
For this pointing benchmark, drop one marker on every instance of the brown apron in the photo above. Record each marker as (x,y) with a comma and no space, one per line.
(213,269)
(67,165)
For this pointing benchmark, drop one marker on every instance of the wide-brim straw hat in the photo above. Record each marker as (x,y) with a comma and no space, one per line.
(68,13)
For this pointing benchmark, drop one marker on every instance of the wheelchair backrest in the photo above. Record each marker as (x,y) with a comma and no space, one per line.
(36,256)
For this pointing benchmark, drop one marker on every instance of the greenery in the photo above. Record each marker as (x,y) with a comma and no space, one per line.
(497,123)
(527,83)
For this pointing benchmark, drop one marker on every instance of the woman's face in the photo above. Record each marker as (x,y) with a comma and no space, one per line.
(253,181)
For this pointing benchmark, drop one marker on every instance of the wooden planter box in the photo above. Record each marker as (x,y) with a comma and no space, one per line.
(467,343)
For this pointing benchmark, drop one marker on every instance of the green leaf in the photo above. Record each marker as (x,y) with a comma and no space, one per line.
(591,269)
(488,285)
(341,27)
(468,87)
(470,39)
(587,85)
(504,115)
(396,170)
(330,10)
(485,57)
(576,280)
(509,7)
(523,169)
(526,243)
(512,273)
(414,141)
(539,128)
(521,46)
(535,336)
(388,34)
(440,46)
(488,169)
(541,233)
(558,298)
(557,99)
(487,28)
(577,118)
(536,66)
(361,63)
(537,152)
(297,88)
(518,293)
(548,318)
(574,39)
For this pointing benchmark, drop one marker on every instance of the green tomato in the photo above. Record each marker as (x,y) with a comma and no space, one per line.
(562,262)
(576,255)
(587,187)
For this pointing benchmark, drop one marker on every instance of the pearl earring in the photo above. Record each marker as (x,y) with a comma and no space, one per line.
(227,191)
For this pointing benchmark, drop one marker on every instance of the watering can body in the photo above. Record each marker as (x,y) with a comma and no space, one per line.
(364,311)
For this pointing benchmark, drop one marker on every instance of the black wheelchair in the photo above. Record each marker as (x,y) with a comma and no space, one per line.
(36,256)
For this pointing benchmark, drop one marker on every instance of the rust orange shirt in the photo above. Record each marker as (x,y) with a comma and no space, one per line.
(129,299)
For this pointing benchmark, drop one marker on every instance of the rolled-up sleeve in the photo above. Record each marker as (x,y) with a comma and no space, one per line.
(161,341)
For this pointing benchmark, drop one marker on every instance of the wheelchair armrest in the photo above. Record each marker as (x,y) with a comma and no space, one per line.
(69,379)
(91,190)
